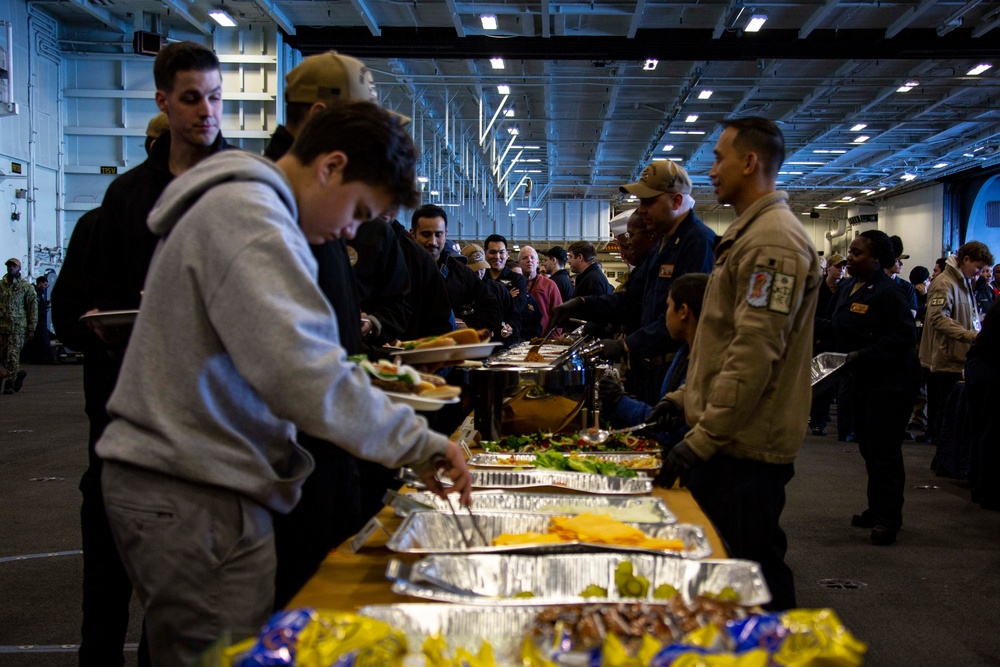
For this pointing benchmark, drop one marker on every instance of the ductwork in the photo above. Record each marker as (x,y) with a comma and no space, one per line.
(830,235)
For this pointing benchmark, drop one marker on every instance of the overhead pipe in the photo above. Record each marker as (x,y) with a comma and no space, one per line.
(830,235)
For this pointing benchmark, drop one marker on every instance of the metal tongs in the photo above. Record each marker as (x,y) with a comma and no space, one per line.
(475,524)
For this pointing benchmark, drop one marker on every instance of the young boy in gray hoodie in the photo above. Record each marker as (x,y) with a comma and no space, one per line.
(234,348)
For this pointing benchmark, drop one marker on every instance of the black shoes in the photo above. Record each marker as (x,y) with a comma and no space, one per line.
(19,381)
(818,430)
(882,536)
(862,520)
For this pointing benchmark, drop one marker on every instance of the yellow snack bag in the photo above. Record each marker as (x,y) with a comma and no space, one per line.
(817,637)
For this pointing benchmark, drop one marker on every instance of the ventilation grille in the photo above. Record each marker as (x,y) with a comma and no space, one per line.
(993,214)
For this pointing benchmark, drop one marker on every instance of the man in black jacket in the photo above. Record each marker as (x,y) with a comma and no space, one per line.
(590,279)
(382,282)
(120,248)
(496,255)
(470,300)
(430,312)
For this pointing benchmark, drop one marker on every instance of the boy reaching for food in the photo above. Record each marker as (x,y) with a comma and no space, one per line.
(234,348)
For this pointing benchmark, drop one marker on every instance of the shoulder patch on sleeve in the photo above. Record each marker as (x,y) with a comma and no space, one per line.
(782,293)
(760,288)
(938,301)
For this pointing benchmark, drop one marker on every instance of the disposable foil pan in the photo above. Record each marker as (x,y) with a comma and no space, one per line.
(824,369)
(528,460)
(437,533)
(622,508)
(464,626)
(495,579)
(573,481)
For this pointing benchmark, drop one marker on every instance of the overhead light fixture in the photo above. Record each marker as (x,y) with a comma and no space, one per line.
(861,138)
(435,193)
(881,189)
(836,152)
(513,130)
(651,64)
(908,86)
(687,132)
(968,155)
(867,191)
(847,199)
(422,179)
(676,159)
(907,177)
(790,173)
(807,163)
(524,208)
(489,21)
(756,23)
(632,197)
(496,63)
(667,148)
(821,150)
(693,118)
(704,95)
(509,112)
(451,205)
(821,206)
(978,69)
(222,17)
(941,165)
(858,127)
(527,148)
(503,90)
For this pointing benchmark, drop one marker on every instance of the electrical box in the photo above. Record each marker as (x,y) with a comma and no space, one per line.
(146,43)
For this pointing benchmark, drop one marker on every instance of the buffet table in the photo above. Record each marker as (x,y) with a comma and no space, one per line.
(348,581)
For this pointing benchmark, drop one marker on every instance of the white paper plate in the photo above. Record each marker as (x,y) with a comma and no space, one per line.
(111,318)
(418,402)
(432,355)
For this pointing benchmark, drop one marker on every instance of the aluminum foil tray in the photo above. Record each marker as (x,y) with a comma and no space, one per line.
(495,579)
(527,460)
(515,355)
(824,368)
(437,533)
(642,509)
(464,626)
(573,481)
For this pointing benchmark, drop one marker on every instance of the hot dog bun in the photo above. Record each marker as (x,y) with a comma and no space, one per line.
(442,393)
(440,341)
(463,336)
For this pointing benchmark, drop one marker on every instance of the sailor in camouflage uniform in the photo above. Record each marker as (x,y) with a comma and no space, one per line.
(18,318)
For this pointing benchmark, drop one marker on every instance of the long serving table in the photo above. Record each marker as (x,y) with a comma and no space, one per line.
(348,581)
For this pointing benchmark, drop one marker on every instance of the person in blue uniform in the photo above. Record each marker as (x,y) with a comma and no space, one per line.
(870,320)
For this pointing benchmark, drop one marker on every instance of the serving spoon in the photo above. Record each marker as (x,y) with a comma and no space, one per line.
(597,436)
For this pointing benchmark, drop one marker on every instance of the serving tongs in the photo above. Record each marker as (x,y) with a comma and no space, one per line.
(475,524)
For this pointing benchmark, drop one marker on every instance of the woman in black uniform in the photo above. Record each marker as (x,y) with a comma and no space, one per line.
(870,319)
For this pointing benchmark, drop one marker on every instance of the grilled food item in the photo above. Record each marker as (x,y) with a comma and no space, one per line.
(534,354)
(408,380)
(450,339)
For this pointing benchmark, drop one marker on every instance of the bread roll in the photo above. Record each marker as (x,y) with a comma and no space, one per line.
(441,341)
(443,393)
(463,336)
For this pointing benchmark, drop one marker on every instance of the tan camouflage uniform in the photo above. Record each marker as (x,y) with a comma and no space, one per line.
(18,316)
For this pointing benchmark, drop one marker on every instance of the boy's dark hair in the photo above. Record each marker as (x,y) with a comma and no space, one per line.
(760,136)
(941,263)
(380,152)
(881,247)
(977,251)
(181,57)
(689,290)
(583,248)
(495,238)
(428,211)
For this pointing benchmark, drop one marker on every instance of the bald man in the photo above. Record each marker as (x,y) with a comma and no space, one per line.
(542,288)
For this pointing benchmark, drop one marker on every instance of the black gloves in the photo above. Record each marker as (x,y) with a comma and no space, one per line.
(610,349)
(666,416)
(564,311)
(852,357)
(678,464)
(610,392)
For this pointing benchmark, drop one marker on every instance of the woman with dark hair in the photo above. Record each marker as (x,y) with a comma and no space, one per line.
(871,321)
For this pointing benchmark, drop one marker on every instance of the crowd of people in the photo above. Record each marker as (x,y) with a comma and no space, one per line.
(223,411)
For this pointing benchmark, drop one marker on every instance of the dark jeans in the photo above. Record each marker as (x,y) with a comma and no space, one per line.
(880,415)
(744,500)
(819,413)
(328,513)
(983,383)
(939,385)
(845,409)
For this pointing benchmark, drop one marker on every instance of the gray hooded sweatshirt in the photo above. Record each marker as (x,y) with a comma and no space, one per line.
(235,346)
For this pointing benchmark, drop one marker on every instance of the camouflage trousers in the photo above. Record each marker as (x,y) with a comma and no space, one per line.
(10,355)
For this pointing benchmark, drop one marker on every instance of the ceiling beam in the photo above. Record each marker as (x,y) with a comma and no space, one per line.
(674,44)
(546,20)
(987,25)
(908,17)
(271,9)
(366,15)
(633,26)
(957,18)
(456,18)
(818,17)
(176,7)
(102,15)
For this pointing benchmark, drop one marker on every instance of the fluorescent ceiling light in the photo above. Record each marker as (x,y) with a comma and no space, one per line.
(968,155)
(667,148)
(907,177)
(509,112)
(687,132)
(489,21)
(807,163)
(704,95)
(222,17)
(858,127)
(527,148)
(513,215)
(881,189)
(836,152)
(524,208)
(790,173)
(453,205)
(978,69)
(676,159)
(756,23)
(632,197)
(651,64)
(693,118)
(908,86)
(422,179)
(847,199)
(496,63)
(821,151)
(534,159)
(941,165)
(503,90)
(821,206)
(861,138)
(867,191)
(435,193)
(513,130)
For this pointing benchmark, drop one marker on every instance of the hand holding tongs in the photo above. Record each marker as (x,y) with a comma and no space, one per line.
(475,524)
